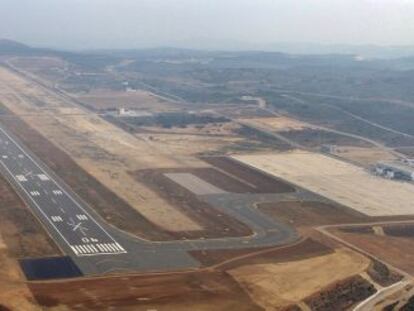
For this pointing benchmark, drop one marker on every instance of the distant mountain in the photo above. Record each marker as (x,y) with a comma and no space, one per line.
(13,47)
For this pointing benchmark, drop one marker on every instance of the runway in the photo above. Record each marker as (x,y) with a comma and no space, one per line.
(57,208)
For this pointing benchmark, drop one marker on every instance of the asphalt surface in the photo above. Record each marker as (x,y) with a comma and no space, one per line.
(69,220)
(97,247)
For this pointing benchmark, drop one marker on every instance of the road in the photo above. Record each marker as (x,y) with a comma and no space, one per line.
(83,235)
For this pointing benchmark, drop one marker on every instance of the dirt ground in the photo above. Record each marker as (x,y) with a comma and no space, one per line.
(398,251)
(230,259)
(338,181)
(214,223)
(14,294)
(20,230)
(307,213)
(182,292)
(99,100)
(100,148)
(277,285)
(363,156)
(261,182)
(280,124)
(315,138)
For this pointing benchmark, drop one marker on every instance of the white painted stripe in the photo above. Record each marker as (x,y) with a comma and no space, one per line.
(79,249)
(111,248)
(89,249)
(74,250)
(94,250)
(120,247)
(85,250)
(100,247)
(105,248)
(115,246)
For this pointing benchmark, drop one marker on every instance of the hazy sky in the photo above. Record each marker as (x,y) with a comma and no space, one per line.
(144,23)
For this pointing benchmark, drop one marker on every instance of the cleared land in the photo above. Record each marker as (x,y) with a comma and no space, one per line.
(207,291)
(280,124)
(103,150)
(307,213)
(339,181)
(99,100)
(363,156)
(215,223)
(398,251)
(261,182)
(193,183)
(282,284)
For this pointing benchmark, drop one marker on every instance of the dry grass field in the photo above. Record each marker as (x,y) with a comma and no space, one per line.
(363,156)
(276,285)
(279,124)
(100,148)
(339,181)
(108,99)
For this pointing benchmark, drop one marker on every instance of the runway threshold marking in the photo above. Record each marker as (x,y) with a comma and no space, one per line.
(76,249)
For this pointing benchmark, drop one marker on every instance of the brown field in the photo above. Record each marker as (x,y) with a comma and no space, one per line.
(20,230)
(185,291)
(215,223)
(363,156)
(307,213)
(14,293)
(100,100)
(261,182)
(398,251)
(279,124)
(338,181)
(282,284)
(313,138)
(224,181)
(408,151)
(229,259)
(100,148)
(342,295)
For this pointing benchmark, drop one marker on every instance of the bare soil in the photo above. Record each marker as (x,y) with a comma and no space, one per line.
(342,295)
(308,213)
(398,251)
(262,183)
(21,231)
(184,291)
(214,223)
(314,138)
(306,249)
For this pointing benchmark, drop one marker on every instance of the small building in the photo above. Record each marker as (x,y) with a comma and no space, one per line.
(395,170)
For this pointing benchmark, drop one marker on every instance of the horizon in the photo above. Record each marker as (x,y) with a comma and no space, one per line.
(127,24)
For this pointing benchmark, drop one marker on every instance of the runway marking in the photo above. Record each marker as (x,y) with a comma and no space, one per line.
(60,191)
(74,250)
(35,193)
(21,178)
(21,156)
(56,218)
(120,247)
(43,177)
(82,217)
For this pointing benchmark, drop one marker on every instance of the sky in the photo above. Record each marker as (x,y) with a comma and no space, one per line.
(88,24)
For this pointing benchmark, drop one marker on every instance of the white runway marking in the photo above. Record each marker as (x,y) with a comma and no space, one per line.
(21,178)
(32,169)
(43,177)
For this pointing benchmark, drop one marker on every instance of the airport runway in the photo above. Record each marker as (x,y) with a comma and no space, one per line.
(98,248)
(55,206)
